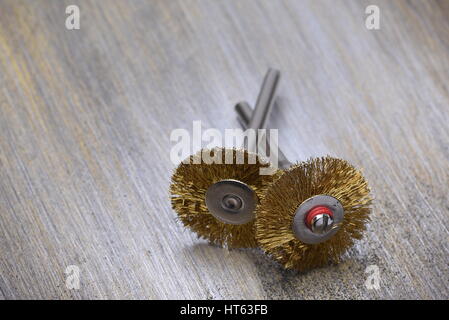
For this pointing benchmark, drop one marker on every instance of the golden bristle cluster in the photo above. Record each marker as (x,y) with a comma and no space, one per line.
(188,189)
(327,175)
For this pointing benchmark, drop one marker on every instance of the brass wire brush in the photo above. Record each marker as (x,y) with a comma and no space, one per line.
(313,212)
(219,201)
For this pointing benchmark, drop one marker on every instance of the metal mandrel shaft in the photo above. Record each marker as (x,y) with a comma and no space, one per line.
(245,112)
(264,103)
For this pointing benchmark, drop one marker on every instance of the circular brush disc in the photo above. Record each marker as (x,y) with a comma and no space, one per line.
(320,176)
(188,188)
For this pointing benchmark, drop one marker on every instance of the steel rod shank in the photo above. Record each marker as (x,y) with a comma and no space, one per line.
(244,112)
(265,100)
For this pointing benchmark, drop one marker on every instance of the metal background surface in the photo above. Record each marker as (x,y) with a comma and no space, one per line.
(86,116)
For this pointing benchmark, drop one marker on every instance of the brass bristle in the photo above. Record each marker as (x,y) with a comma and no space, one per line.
(329,176)
(188,190)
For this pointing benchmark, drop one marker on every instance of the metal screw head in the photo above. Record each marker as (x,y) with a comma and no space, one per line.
(231,201)
(319,228)
(322,223)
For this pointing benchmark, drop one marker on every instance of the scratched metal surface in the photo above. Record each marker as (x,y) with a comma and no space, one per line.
(86,115)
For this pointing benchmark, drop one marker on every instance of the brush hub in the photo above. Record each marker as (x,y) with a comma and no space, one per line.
(231,201)
(318,219)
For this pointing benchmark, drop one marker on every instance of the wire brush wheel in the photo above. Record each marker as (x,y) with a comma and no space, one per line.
(320,176)
(191,181)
